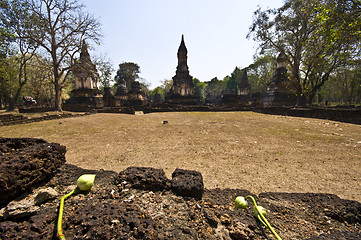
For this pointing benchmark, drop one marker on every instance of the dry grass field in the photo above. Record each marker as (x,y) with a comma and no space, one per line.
(245,150)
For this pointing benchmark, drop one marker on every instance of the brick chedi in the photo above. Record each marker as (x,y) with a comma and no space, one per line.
(121,95)
(86,94)
(182,90)
(85,72)
(136,96)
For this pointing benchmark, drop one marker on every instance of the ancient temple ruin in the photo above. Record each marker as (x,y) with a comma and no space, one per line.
(86,94)
(182,91)
(242,95)
(244,89)
(108,97)
(136,96)
(121,95)
(278,93)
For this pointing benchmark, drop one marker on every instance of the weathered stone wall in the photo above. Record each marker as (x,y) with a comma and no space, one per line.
(184,183)
(349,115)
(26,162)
(120,206)
(10,119)
(343,114)
(35,109)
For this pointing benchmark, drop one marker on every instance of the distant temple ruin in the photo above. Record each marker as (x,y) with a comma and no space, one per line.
(182,91)
(121,95)
(86,94)
(243,94)
(244,89)
(278,93)
(136,96)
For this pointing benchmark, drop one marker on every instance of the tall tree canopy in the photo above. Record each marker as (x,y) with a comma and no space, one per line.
(105,68)
(5,33)
(59,26)
(199,88)
(129,72)
(233,82)
(213,89)
(16,20)
(317,36)
(260,72)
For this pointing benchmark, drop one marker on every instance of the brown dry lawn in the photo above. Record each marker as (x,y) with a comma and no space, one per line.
(246,150)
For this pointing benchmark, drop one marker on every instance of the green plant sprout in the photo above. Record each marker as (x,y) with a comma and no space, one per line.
(84,183)
(259,212)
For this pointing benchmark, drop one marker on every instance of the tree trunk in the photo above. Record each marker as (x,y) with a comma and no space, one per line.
(57,84)
(13,101)
(301,100)
(58,103)
(311,96)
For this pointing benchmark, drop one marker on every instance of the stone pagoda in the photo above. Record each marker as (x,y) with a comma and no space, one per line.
(182,91)
(244,88)
(121,95)
(86,94)
(136,96)
(278,93)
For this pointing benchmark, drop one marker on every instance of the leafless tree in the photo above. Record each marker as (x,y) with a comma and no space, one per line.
(60,26)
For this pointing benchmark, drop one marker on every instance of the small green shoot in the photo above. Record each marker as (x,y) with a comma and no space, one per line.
(259,212)
(84,183)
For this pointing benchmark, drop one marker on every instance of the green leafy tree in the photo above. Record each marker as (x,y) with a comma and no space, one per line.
(213,89)
(199,88)
(6,37)
(344,86)
(17,19)
(129,72)
(312,37)
(225,82)
(165,88)
(7,50)
(162,90)
(260,72)
(105,69)
(155,91)
(39,83)
(8,80)
(167,85)
(233,82)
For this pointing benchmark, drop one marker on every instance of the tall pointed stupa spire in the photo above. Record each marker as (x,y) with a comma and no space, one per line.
(84,54)
(182,47)
(182,91)
(182,67)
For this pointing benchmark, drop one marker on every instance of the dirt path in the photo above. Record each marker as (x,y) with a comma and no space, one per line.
(244,150)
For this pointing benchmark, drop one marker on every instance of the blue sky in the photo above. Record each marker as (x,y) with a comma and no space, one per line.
(148,32)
